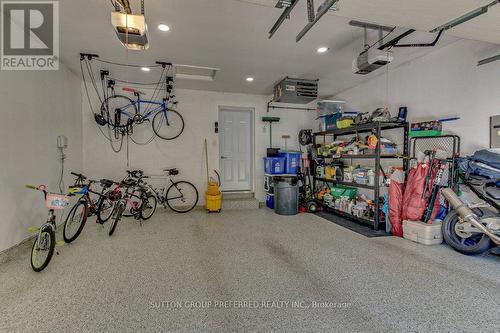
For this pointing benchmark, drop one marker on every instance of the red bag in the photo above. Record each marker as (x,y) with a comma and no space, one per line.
(396,207)
(413,204)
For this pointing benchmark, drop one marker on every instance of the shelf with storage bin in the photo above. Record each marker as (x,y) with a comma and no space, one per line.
(351,184)
(363,220)
(363,128)
(374,128)
(361,156)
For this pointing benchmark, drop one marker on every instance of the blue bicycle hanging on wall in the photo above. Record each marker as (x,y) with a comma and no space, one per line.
(121,112)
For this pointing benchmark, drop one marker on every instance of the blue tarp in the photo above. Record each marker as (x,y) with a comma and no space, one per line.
(484,163)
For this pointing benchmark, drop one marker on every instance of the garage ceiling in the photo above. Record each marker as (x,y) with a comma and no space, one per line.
(425,15)
(232,35)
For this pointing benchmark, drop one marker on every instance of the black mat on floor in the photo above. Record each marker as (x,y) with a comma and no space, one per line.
(353,225)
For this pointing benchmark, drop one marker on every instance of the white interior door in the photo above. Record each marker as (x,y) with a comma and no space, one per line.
(235,141)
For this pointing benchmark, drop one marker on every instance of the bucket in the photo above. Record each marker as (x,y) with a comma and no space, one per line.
(286,199)
(213,188)
(213,202)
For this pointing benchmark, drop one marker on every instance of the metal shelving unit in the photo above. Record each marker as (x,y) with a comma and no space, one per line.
(376,128)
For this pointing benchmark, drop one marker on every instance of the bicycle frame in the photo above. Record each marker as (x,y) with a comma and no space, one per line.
(93,204)
(51,222)
(162,192)
(160,107)
(127,198)
(51,218)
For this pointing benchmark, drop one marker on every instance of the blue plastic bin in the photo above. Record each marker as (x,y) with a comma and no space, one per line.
(329,122)
(270,201)
(274,165)
(292,161)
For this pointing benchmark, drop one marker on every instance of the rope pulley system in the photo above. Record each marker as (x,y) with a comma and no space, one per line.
(116,114)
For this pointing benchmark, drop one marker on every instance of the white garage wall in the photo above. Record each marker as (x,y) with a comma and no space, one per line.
(37,106)
(200,112)
(446,82)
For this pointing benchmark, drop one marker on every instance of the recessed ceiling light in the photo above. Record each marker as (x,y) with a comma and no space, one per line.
(322,49)
(250,79)
(163,27)
(146,69)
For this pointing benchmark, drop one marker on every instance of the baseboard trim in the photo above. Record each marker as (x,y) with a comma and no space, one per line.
(16,250)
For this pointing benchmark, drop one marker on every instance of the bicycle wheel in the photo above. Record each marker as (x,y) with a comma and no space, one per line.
(148,206)
(168,125)
(117,110)
(43,249)
(105,210)
(181,197)
(119,211)
(75,221)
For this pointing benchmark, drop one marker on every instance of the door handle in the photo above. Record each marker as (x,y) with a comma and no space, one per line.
(223,157)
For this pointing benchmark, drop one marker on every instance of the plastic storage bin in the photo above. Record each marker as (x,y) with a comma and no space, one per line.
(423,233)
(292,161)
(339,191)
(326,107)
(419,134)
(270,201)
(329,122)
(274,165)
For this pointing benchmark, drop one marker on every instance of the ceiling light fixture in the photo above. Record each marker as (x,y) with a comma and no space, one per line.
(163,27)
(146,69)
(322,49)
(250,79)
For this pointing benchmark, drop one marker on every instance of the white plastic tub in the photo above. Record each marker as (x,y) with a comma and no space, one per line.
(423,233)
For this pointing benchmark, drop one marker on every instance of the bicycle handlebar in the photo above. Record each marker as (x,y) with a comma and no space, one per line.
(77,174)
(41,188)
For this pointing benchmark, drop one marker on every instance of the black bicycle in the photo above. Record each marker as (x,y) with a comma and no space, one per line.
(86,206)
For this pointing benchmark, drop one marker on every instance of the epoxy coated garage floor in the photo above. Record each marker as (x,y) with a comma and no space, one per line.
(248,271)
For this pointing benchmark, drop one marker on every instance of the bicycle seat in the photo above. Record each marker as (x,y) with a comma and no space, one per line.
(171,171)
(106,182)
(133,91)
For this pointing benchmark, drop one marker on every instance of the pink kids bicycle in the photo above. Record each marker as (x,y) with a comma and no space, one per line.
(45,241)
